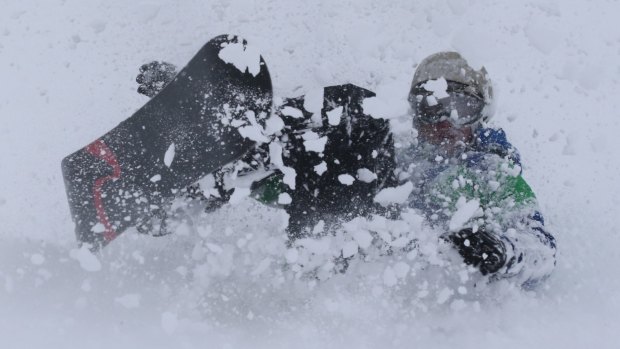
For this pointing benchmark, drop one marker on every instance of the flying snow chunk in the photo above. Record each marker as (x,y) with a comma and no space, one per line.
(377,108)
(313,101)
(346,179)
(466,210)
(396,195)
(316,145)
(169,156)
(156,178)
(320,168)
(284,199)
(243,58)
(292,112)
(438,87)
(98,228)
(273,124)
(88,261)
(129,301)
(365,175)
(254,133)
(333,116)
(275,155)
(238,195)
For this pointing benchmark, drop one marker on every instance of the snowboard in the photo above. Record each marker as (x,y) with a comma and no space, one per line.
(189,129)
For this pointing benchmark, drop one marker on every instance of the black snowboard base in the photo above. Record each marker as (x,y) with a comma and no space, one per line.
(185,132)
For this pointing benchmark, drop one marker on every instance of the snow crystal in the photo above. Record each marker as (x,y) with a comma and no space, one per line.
(316,145)
(365,175)
(254,133)
(380,108)
(310,135)
(292,112)
(454,114)
(346,179)
(333,116)
(466,210)
(88,261)
(431,100)
(275,154)
(169,322)
(169,156)
(284,199)
(396,195)
(273,125)
(129,301)
(243,58)
(37,259)
(438,87)
(320,168)
(156,178)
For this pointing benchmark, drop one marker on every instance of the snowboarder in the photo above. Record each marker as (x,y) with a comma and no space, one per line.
(467,177)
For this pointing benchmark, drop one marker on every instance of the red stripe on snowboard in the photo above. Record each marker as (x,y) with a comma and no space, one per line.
(101,151)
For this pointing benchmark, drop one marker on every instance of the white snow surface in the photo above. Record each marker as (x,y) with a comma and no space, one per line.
(227,280)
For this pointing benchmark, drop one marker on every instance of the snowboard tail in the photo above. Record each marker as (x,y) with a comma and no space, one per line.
(185,132)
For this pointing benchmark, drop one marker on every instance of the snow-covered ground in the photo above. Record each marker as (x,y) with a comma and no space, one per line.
(67,71)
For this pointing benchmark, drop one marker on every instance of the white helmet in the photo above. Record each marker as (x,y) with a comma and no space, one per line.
(453,67)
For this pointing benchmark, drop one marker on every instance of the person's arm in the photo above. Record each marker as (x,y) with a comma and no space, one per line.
(510,240)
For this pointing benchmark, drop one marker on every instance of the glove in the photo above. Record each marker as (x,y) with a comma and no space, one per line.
(154,77)
(480,249)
